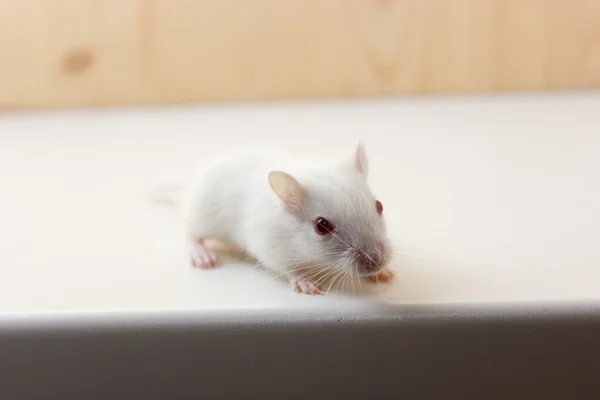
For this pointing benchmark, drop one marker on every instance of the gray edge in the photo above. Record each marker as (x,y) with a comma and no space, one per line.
(478,351)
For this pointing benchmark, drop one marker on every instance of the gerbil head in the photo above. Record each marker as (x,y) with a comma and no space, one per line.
(340,223)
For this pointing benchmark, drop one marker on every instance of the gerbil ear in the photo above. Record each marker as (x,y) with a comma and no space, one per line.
(360,160)
(288,190)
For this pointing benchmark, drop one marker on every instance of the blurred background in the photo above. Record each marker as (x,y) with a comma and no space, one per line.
(484,139)
(58,53)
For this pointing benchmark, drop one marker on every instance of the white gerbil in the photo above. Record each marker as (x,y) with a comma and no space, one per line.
(306,219)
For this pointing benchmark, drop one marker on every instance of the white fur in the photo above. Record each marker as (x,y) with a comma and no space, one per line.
(230,199)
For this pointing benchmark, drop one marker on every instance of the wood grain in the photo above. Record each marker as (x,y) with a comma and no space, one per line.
(91,52)
(69,52)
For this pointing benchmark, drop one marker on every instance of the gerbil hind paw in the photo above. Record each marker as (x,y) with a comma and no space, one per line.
(382,276)
(201,256)
(307,287)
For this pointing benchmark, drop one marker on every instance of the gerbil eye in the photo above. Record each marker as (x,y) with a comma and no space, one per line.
(323,226)
(379,207)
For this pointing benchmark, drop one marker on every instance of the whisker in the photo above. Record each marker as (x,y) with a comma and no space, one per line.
(326,276)
(335,269)
(344,281)
(317,271)
(335,278)
(298,259)
(352,281)
(340,240)
(305,275)
(359,280)
(292,272)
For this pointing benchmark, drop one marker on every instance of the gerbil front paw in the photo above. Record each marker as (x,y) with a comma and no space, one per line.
(382,276)
(307,287)
(201,256)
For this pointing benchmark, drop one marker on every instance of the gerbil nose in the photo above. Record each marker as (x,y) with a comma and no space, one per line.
(368,262)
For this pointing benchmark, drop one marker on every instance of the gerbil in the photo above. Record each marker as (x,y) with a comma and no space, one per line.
(307,220)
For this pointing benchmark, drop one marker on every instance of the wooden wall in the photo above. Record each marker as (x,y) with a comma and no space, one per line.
(91,52)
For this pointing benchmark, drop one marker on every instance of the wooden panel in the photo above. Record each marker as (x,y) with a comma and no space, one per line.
(520,53)
(574,41)
(86,52)
(69,52)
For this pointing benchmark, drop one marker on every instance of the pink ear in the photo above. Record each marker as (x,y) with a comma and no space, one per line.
(287,188)
(379,207)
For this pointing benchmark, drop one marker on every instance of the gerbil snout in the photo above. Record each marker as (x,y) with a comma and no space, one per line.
(370,261)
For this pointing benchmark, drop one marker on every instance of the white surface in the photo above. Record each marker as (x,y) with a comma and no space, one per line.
(490,198)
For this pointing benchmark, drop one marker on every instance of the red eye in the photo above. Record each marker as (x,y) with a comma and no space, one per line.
(379,207)
(323,226)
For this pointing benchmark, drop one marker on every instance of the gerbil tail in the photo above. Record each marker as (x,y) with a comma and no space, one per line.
(166,194)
